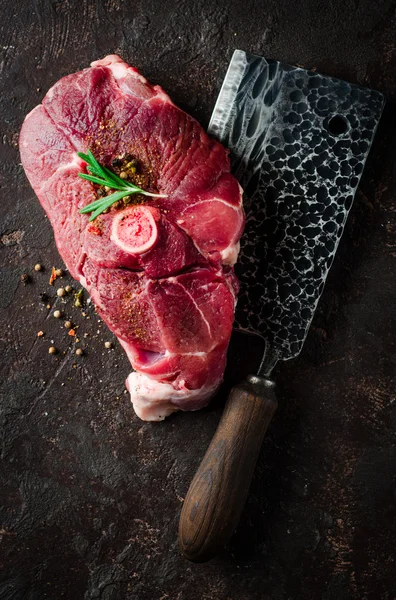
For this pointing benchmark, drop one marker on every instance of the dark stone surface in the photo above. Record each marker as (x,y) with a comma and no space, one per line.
(90,496)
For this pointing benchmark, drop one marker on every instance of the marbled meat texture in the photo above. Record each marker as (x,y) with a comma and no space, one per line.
(171,306)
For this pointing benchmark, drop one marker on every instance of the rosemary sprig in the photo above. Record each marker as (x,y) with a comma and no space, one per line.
(103,176)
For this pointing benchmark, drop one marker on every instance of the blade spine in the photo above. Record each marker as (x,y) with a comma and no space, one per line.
(226,97)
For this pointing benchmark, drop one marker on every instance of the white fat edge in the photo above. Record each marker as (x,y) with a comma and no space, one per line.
(230,254)
(151,400)
(168,354)
(118,67)
(119,70)
(106,61)
(154,401)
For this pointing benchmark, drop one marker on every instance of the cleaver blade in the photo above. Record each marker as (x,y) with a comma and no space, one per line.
(298,143)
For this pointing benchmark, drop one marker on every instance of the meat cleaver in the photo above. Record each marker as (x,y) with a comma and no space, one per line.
(298,143)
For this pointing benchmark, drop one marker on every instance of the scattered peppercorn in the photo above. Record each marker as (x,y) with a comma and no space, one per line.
(38,267)
(108,345)
(57,314)
(25,277)
(79,352)
(123,175)
(44,297)
(60,292)
(68,324)
(58,272)
(52,350)
(68,289)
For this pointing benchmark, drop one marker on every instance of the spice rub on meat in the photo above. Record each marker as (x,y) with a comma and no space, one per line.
(159,269)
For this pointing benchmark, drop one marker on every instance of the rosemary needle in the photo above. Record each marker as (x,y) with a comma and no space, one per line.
(103,176)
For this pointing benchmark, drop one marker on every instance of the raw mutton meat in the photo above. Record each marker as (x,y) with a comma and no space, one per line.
(159,271)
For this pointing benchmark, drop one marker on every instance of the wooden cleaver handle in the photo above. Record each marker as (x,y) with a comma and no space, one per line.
(218,492)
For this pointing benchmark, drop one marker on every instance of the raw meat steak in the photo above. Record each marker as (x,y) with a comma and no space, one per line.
(160,270)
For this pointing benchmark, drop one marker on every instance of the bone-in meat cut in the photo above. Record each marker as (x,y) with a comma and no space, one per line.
(159,270)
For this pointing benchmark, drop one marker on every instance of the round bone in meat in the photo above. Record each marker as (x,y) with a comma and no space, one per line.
(134,230)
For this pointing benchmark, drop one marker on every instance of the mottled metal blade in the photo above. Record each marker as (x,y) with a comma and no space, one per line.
(299,141)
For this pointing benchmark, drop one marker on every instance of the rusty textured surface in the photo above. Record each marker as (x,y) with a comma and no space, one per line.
(90,495)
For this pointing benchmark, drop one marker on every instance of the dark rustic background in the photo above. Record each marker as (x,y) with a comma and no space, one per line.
(90,495)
